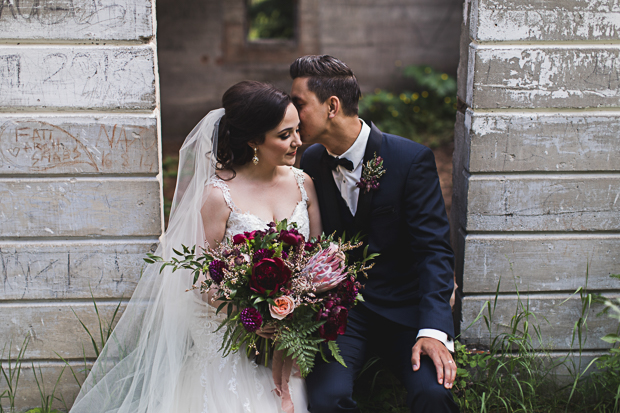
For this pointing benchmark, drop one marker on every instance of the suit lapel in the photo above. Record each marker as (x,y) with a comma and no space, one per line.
(364,202)
(329,203)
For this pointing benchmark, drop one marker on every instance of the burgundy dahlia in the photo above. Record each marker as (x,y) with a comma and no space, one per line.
(291,237)
(336,323)
(216,270)
(239,239)
(262,253)
(269,274)
(347,291)
(251,319)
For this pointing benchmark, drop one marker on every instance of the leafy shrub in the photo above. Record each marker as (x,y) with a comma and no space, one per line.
(425,114)
(271,19)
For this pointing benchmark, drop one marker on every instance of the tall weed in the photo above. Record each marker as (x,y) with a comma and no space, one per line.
(11,374)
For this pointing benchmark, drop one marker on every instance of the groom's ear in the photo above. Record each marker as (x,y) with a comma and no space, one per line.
(333,106)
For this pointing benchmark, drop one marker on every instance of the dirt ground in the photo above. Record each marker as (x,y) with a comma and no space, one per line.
(443,158)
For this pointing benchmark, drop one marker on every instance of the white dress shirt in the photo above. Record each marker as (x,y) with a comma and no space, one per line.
(346,182)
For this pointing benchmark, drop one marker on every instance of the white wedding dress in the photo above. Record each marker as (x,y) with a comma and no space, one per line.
(210,383)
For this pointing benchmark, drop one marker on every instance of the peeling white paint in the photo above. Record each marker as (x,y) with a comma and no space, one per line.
(546,21)
(525,76)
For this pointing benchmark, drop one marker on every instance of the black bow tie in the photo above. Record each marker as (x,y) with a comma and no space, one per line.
(333,162)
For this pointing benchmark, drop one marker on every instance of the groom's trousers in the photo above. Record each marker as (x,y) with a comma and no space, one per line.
(330,385)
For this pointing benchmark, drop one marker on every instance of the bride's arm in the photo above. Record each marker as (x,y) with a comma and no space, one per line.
(214,214)
(316,228)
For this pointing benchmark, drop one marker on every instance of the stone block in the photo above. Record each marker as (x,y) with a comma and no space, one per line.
(520,142)
(539,263)
(566,20)
(72,269)
(54,329)
(76,20)
(85,207)
(554,314)
(586,202)
(543,77)
(78,144)
(77,77)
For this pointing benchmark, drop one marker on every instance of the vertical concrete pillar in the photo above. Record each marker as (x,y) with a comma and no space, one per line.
(537,177)
(80,193)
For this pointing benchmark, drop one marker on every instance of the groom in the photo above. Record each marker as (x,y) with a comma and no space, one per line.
(406,318)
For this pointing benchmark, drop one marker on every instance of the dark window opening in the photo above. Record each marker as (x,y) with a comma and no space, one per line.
(271,20)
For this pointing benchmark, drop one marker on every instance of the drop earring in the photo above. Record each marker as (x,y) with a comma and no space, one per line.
(255,158)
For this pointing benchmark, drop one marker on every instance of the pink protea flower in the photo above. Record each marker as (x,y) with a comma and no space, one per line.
(326,268)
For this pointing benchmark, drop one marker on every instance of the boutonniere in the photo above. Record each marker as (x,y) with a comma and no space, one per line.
(371,172)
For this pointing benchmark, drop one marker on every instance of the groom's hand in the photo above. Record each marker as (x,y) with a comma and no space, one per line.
(437,351)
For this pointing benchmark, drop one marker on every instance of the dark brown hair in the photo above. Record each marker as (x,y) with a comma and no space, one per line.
(328,77)
(251,109)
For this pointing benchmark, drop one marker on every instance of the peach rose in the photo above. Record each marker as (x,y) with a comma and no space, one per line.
(284,306)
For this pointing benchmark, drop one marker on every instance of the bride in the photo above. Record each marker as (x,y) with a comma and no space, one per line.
(236,174)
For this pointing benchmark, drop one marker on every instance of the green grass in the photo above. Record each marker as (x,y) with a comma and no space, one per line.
(11,373)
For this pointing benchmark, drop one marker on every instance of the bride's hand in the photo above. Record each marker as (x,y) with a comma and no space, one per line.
(267,331)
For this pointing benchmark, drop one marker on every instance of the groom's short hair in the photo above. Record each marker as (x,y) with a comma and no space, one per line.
(328,76)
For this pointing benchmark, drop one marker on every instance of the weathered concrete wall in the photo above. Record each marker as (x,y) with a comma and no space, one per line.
(536,183)
(202,47)
(79,176)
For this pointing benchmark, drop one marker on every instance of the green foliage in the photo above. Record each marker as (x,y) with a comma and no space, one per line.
(105,330)
(514,375)
(517,374)
(170,165)
(297,342)
(11,373)
(271,19)
(425,112)
(605,381)
(46,399)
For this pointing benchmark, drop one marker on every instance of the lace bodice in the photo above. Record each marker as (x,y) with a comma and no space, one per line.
(234,383)
(239,221)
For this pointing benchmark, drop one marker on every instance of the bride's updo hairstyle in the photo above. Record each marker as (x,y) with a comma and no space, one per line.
(252,109)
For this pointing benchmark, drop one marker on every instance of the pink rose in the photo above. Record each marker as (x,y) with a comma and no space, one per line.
(284,306)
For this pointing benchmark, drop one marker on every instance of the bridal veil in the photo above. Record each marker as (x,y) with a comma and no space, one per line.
(138,369)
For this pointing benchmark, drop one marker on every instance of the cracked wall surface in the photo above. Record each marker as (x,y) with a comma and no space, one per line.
(536,174)
(79,176)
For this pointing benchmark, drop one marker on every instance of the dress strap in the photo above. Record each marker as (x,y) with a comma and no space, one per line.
(300,178)
(217,182)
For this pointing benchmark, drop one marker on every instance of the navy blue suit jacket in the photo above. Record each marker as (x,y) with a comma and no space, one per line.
(405,222)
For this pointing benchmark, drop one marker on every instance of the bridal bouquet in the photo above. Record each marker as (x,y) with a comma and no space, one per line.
(276,278)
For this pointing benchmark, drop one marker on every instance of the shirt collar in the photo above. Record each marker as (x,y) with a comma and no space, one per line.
(356,152)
